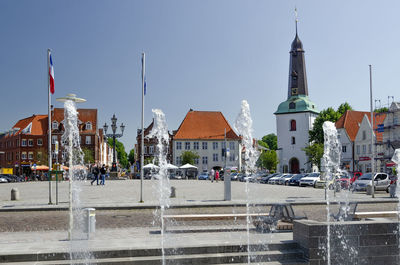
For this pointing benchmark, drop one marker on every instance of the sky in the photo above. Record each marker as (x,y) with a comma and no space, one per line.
(206,55)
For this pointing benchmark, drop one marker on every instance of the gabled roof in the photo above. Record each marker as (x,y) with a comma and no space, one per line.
(207,125)
(84,115)
(39,125)
(351,121)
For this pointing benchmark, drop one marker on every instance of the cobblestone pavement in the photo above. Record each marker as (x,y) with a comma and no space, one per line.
(111,219)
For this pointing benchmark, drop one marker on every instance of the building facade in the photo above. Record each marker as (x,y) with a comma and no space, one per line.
(26,144)
(295,116)
(208,134)
(390,136)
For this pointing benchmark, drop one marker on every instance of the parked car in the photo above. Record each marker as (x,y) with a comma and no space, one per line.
(295,180)
(381,182)
(310,179)
(240,177)
(265,179)
(283,180)
(234,176)
(273,180)
(346,180)
(3,180)
(204,176)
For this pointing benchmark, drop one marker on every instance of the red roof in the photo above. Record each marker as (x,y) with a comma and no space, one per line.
(351,121)
(39,125)
(209,125)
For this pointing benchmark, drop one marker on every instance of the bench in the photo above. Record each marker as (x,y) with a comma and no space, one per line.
(211,217)
(380,214)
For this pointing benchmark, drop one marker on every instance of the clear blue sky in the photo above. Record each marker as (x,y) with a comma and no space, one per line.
(205,55)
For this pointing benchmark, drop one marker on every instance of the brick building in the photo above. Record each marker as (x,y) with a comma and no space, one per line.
(27,142)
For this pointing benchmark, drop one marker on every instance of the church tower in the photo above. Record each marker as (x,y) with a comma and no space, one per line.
(295,116)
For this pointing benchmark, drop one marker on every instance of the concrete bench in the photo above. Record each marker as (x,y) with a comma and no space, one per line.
(211,217)
(380,214)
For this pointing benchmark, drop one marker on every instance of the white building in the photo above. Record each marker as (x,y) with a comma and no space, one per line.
(295,116)
(390,136)
(203,132)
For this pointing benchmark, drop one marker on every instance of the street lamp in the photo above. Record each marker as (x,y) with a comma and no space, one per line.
(114,135)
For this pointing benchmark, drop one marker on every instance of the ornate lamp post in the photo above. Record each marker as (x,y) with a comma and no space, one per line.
(114,135)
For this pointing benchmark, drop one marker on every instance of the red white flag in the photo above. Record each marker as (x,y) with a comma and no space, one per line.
(51,75)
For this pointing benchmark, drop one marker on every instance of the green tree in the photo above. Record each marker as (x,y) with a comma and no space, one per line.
(131,156)
(268,159)
(121,154)
(188,157)
(264,144)
(317,133)
(314,153)
(380,110)
(42,157)
(149,160)
(271,140)
(88,156)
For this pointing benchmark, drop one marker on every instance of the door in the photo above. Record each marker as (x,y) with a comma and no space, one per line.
(294,166)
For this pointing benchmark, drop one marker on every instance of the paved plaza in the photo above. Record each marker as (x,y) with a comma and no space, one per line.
(119,194)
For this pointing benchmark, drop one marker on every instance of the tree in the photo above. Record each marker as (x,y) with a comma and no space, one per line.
(88,157)
(271,140)
(121,154)
(43,157)
(188,157)
(380,110)
(263,144)
(268,159)
(317,133)
(314,153)
(131,156)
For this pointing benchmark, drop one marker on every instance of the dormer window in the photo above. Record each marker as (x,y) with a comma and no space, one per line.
(54,125)
(88,126)
(292,105)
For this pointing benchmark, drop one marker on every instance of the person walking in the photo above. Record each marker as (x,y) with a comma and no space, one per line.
(103,174)
(212,175)
(95,172)
(216,176)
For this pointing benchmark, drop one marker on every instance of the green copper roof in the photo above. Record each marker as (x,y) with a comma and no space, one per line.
(300,103)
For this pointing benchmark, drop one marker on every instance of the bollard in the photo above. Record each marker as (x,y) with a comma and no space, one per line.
(369,190)
(14,194)
(173,192)
(90,222)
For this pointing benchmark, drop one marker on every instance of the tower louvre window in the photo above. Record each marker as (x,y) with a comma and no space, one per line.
(293,125)
(292,105)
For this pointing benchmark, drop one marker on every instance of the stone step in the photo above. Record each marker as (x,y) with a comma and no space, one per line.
(112,253)
(274,257)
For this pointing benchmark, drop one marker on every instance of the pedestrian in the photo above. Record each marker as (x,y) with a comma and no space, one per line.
(212,175)
(95,172)
(216,176)
(103,174)
(392,187)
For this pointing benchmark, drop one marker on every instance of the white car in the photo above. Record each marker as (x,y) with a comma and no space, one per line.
(285,179)
(310,179)
(274,180)
(382,182)
(3,180)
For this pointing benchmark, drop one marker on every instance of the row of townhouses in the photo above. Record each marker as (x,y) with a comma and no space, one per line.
(26,143)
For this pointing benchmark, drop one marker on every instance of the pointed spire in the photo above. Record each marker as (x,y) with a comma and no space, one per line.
(296,19)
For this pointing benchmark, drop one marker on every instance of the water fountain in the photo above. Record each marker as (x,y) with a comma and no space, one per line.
(160,131)
(396,160)
(71,142)
(244,127)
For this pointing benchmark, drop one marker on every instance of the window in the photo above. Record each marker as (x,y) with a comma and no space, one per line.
(232,156)
(196,161)
(293,125)
(145,150)
(215,145)
(187,145)
(23,155)
(358,149)
(232,146)
(344,149)
(54,125)
(178,145)
(196,145)
(30,155)
(205,145)
(30,142)
(369,149)
(151,149)
(88,125)
(23,142)
(205,160)
(54,155)
(54,138)
(293,140)
(215,157)
(178,160)
(364,135)
(364,149)
(88,139)
(292,105)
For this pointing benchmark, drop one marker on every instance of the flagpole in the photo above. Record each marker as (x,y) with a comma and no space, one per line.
(142,137)
(372,134)
(49,119)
